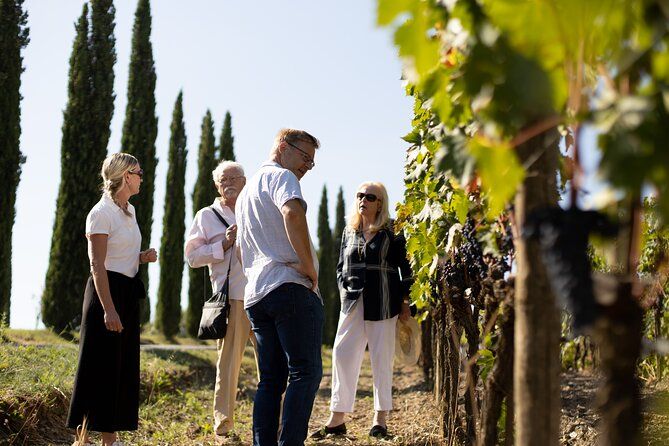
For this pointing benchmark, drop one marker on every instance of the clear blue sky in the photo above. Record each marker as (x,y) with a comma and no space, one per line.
(320,66)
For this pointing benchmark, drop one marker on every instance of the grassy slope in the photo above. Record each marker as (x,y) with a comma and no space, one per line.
(176,392)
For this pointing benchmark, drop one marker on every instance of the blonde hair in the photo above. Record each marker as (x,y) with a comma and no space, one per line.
(382,218)
(114,168)
(217,173)
(292,136)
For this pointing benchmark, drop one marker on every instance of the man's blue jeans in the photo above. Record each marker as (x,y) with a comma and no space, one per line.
(288,325)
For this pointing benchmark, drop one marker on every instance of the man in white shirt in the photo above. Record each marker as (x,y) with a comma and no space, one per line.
(210,243)
(281,297)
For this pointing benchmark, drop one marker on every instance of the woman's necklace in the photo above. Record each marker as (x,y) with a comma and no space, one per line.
(367,235)
(122,206)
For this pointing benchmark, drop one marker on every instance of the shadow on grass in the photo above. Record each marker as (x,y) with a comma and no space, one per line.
(69,336)
(420,386)
(184,358)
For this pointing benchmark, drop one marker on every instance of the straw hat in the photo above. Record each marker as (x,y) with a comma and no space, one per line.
(407,341)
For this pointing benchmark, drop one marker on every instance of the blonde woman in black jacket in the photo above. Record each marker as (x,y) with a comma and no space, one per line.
(374,277)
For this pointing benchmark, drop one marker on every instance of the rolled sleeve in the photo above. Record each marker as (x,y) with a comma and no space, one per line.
(98,222)
(197,250)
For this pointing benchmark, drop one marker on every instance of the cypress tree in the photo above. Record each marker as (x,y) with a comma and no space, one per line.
(226,148)
(327,275)
(204,193)
(103,58)
(140,129)
(78,191)
(168,307)
(13,38)
(340,223)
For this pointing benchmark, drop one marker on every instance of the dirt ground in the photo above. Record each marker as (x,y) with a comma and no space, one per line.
(578,425)
(414,420)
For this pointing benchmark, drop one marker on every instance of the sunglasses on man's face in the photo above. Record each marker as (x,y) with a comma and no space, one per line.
(369,197)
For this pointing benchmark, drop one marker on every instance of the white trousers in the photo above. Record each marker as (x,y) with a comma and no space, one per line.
(353,334)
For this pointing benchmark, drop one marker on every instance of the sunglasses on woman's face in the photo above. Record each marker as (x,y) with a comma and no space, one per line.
(139,172)
(369,197)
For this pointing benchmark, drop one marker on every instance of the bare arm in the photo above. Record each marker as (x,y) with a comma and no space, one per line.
(295,222)
(97,251)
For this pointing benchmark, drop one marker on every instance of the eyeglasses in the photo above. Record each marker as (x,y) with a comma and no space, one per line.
(225,179)
(139,173)
(370,197)
(305,156)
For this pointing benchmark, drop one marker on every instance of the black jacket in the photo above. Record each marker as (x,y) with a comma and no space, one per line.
(377,270)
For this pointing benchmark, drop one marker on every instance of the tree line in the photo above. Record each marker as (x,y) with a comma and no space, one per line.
(85,136)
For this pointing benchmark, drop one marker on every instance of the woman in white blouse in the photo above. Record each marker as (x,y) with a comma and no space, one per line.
(106,388)
(210,243)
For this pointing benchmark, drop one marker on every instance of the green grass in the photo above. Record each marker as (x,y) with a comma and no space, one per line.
(176,392)
(38,337)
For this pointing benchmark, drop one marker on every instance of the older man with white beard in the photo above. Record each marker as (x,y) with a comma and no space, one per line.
(210,242)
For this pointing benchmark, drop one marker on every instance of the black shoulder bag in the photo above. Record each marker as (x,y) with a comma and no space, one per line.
(216,309)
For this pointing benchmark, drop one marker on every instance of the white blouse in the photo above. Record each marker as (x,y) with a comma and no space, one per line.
(124,239)
(204,247)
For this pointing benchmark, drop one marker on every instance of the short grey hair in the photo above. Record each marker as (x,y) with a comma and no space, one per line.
(217,173)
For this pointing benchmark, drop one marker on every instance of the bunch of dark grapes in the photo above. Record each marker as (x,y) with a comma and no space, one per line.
(454,276)
(471,254)
(505,243)
(563,239)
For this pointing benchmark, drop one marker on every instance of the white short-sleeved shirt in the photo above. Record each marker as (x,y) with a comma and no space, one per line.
(124,239)
(261,235)
(203,247)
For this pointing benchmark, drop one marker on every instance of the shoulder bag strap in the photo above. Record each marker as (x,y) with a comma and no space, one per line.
(220,217)
(226,285)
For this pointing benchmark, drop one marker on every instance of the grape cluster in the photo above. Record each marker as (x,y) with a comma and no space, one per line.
(506,241)
(471,254)
(507,248)
(454,275)
(563,240)
(467,268)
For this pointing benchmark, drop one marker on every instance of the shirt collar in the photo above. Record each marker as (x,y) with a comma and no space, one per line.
(218,204)
(270,163)
(110,202)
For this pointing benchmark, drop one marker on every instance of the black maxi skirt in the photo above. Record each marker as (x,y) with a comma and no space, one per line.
(106,386)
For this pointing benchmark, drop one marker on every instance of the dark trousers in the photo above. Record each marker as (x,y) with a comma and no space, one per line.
(106,387)
(288,325)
